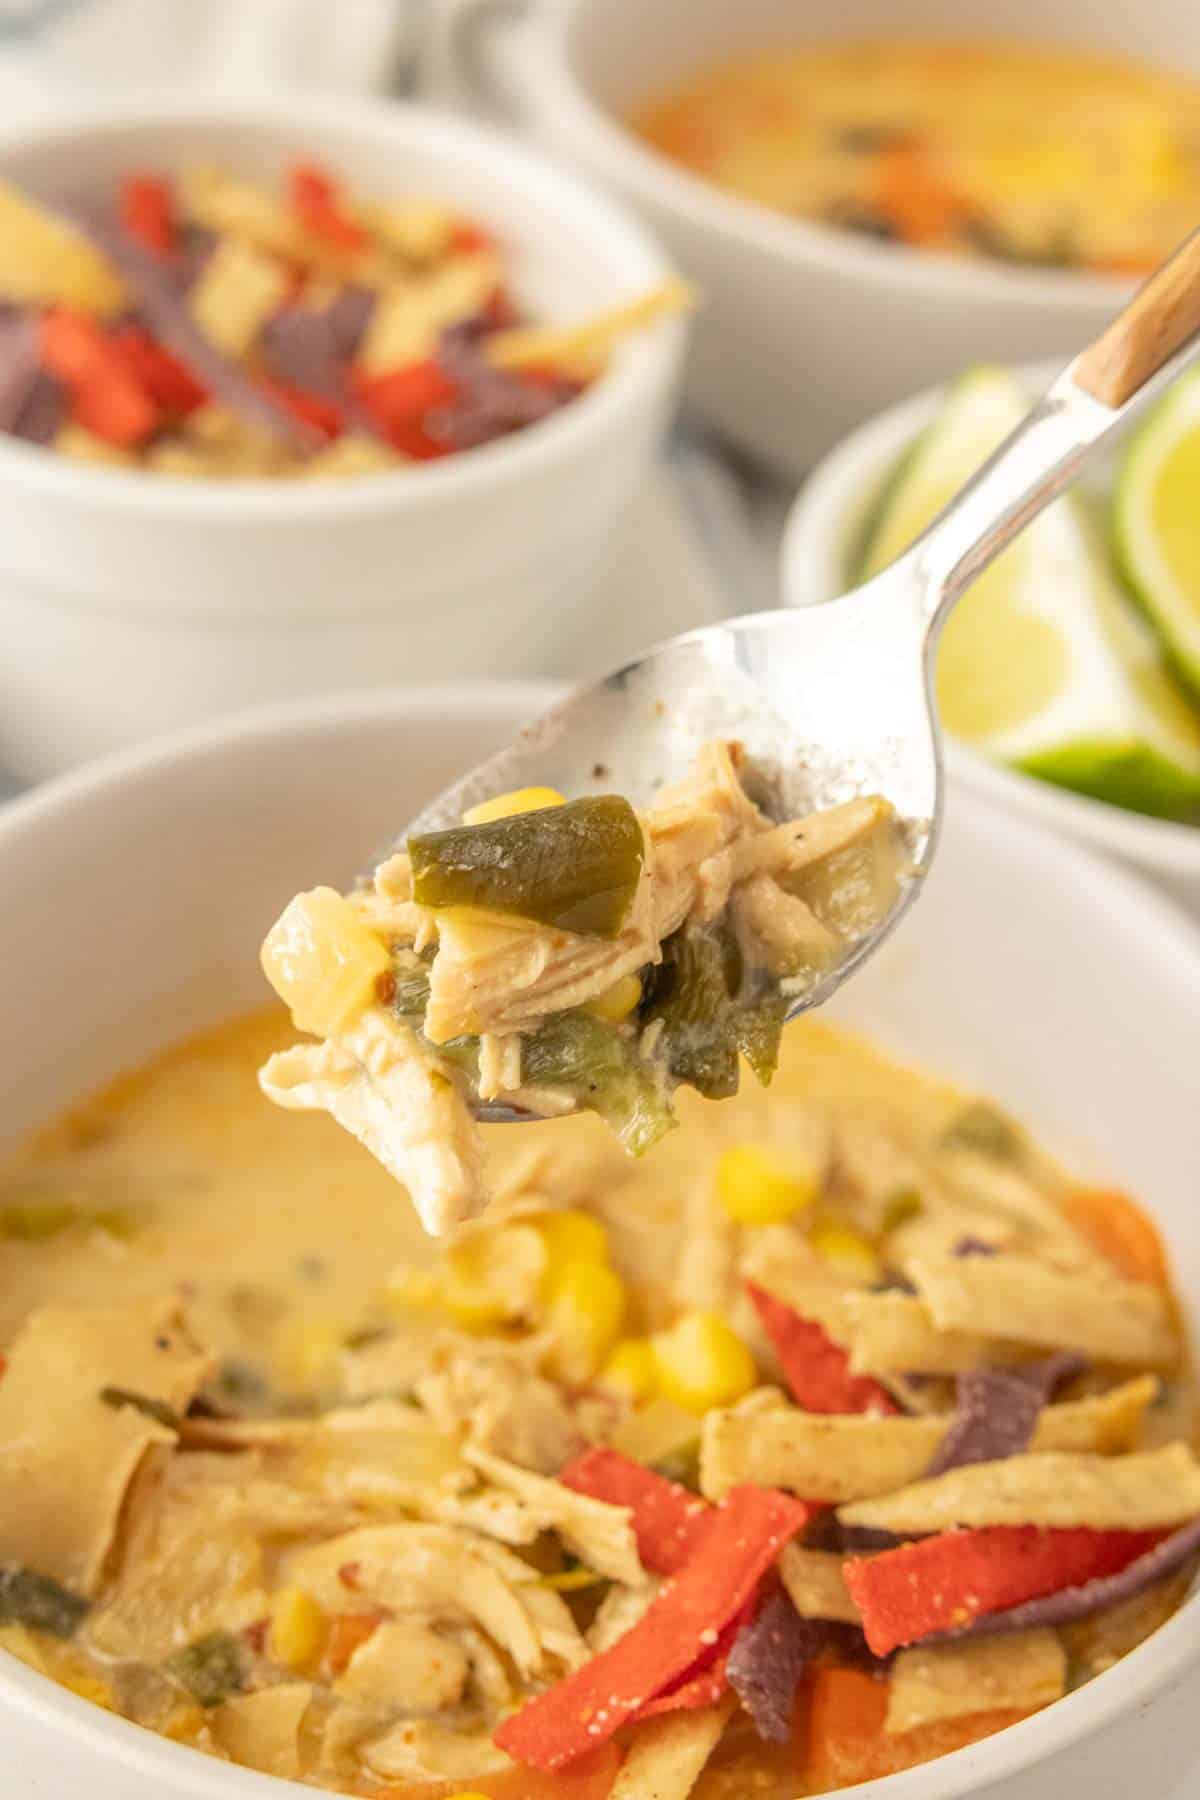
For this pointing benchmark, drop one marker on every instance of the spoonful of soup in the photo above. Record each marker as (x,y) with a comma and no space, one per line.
(676,860)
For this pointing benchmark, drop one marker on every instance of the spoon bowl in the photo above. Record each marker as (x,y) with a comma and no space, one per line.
(836,701)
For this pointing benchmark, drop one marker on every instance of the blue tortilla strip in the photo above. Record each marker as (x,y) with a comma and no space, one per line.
(997,1413)
(1071,1604)
(769,1656)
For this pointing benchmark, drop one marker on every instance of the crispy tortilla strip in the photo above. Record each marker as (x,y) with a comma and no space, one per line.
(885,1333)
(816,1586)
(67,1458)
(262,1731)
(1107,1493)
(845,1457)
(894,1334)
(599,1535)
(667,1757)
(529,345)
(951,1681)
(1022,1298)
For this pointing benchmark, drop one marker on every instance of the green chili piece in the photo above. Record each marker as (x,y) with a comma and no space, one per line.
(158,1410)
(689,993)
(39,1603)
(981,1128)
(758,1029)
(600,1067)
(901,1205)
(210,1669)
(576,866)
(410,995)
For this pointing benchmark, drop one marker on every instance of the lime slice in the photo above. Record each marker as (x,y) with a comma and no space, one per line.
(1156,518)
(1045,665)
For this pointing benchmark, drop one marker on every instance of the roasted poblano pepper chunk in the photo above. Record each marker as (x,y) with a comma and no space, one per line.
(710,1010)
(575,866)
(759,1028)
(689,992)
(601,1068)
(210,1669)
(39,1603)
(981,1128)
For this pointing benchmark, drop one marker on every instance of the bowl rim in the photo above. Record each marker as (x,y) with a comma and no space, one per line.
(561,94)
(390,125)
(36,822)
(828,509)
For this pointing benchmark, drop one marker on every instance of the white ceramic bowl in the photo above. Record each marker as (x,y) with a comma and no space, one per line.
(824,531)
(183,851)
(130,603)
(806,331)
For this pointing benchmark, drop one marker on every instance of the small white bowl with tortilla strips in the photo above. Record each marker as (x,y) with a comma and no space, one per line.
(226,512)
(868,1391)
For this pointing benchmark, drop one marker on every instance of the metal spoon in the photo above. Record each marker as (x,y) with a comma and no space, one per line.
(837,700)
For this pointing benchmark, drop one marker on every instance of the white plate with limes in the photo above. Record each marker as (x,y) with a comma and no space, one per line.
(1069,677)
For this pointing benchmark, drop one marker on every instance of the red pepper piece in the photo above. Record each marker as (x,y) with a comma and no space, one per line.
(148,212)
(312,409)
(166,379)
(817,1369)
(400,403)
(943,1583)
(683,1624)
(317,202)
(668,1521)
(105,398)
(466,236)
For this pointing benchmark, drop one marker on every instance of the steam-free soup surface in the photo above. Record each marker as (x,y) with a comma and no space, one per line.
(289,1484)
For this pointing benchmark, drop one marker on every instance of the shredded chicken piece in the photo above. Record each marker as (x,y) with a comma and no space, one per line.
(386,1087)
(262,1730)
(787,849)
(406,1666)
(777,929)
(504,1406)
(424,1750)
(598,1534)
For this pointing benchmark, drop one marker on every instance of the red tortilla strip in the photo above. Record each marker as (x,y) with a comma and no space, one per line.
(668,1521)
(317,202)
(684,1622)
(148,212)
(817,1369)
(944,1583)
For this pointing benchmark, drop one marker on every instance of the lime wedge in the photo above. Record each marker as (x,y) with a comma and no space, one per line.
(1156,520)
(1045,665)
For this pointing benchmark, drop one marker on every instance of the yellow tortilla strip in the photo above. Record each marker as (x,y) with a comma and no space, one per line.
(886,1334)
(857,1456)
(262,1731)
(1142,1492)
(893,1334)
(66,1457)
(1019,1297)
(667,1757)
(816,1585)
(46,262)
(997,1674)
(526,346)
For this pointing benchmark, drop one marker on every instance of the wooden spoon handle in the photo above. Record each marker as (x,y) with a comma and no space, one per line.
(1161,317)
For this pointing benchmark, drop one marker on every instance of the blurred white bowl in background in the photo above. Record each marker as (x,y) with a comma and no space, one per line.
(824,533)
(131,603)
(806,330)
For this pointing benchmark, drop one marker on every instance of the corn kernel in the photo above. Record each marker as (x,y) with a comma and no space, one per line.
(701,1362)
(323,961)
(618,1001)
(585,1309)
(297,1634)
(572,1236)
(631,1371)
(88,1685)
(506,806)
(846,1251)
(307,1348)
(760,1186)
(493,1277)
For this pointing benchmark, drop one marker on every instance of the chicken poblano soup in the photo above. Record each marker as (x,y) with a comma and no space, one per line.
(839,1431)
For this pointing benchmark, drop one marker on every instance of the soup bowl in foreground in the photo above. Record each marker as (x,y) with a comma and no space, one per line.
(158,872)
